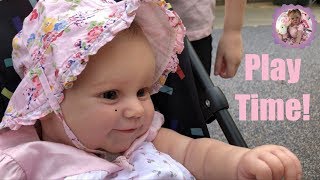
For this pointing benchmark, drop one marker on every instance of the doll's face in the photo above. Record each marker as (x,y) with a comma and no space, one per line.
(295,18)
(109,105)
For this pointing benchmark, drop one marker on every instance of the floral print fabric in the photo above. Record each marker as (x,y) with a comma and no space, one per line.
(148,163)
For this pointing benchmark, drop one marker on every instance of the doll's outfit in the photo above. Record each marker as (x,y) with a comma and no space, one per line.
(50,51)
(293,32)
(24,156)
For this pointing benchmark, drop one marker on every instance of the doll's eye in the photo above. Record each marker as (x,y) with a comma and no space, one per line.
(143,92)
(112,95)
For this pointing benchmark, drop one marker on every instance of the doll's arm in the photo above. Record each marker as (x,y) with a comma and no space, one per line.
(300,30)
(228,61)
(205,158)
(211,159)
(299,36)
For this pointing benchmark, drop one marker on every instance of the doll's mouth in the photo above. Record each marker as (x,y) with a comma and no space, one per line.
(126,130)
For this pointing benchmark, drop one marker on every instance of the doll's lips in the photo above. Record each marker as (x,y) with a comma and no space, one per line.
(130,130)
(126,130)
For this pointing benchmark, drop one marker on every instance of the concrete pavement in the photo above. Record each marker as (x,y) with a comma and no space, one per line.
(258,14)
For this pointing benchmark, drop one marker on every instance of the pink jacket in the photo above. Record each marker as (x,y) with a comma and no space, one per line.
(24,156)
(197,16)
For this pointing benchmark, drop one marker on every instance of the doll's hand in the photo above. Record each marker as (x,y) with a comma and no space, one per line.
(269,162)
(229,54)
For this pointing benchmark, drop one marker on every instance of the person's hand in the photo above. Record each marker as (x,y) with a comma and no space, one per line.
(229,54)
(269,162)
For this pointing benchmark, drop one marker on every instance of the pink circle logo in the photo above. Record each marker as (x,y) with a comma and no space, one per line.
(293,26)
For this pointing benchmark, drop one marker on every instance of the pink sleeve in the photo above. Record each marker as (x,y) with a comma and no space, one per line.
(10,169)
(198,16)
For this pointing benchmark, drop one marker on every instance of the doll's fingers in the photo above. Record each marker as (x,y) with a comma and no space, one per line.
(290,168)
(256,169)
(295,160)
(274,164)
(263,171)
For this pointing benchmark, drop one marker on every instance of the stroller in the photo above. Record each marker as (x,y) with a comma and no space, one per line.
(178,100)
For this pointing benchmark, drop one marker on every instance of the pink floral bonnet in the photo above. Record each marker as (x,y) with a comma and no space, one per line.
(57,37)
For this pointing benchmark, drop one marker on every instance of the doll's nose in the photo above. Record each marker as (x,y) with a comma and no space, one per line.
(134,109)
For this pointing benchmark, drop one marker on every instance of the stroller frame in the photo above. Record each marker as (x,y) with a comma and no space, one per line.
(216,101)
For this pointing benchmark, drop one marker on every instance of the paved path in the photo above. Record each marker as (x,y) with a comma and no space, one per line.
(257,14)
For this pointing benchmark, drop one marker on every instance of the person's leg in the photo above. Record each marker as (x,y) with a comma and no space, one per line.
(203,48)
